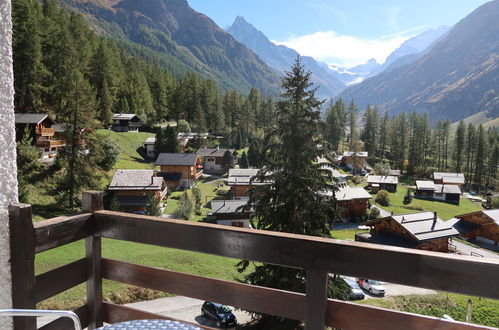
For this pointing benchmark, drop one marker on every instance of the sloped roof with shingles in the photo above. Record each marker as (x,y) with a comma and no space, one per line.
(176,159)
(347,193)
(387,179)
(449,177)
(206,152)
(447,189)
(30,118)
(150,140)
(136,180)
(422,226)
(124,116)
(227,206)
(425,185)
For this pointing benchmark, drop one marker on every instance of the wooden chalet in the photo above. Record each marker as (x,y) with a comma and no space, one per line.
(382,182)
(126,122)
(133,188)
(449,178)
(481,225)
(422,230)
(179,170)
(354,160)
(229,213)
(352,201)
(242,180)
(184,138)
(42,130)
(442,192)
(149,145)
(213,159)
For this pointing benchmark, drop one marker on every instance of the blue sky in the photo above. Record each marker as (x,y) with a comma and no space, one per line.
(346,32)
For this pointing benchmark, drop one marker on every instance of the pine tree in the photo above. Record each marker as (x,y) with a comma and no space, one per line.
(185,207)
(228,160)
(292,200)
(459,143)
(153,207)
(244,160)
(196,192)
(352,123)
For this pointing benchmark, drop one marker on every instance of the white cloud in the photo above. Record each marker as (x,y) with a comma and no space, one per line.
(344,50)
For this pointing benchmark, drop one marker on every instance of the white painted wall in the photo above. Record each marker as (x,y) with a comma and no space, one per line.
(8,168)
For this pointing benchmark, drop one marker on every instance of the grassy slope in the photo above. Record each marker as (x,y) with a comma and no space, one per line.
(445,211)
(129,144)
(485,311)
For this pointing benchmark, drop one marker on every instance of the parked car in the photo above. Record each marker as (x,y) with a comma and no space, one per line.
(371,286)
(219,313)
(355,290)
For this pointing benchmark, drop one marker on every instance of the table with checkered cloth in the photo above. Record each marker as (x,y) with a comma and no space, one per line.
(150,324)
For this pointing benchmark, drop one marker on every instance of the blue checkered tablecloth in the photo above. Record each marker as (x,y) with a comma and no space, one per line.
(150,324)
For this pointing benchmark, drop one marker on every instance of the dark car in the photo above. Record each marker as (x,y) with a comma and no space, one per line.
(219,313)
(355,290)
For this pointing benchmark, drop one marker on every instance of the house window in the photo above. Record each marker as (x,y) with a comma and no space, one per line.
(211,160)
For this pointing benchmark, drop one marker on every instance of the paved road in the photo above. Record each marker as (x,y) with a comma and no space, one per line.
(478,252)
(392,290)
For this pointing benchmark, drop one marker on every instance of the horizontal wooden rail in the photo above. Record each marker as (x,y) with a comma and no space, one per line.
(59,231)
(346,315)
(254,298)
(413,267)
(340,314)
(67,323)
(112,313)
(60,279)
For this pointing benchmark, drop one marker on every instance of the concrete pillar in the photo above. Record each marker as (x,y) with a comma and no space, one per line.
(8,168)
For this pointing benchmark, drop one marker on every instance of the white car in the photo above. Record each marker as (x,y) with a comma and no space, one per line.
(371,286)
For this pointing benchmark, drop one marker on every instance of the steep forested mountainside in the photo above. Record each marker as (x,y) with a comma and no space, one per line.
(281,57)
(457,78)
(172,34)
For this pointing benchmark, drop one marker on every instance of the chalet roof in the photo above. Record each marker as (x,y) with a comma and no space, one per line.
(449,177)
(124,116)
(462,226)
(30,118)
(386,238)
(150,140)
(358,153)
(179,159)
(396,172)
(136,180)
(215,152)
(347,193)
(386,179)
(425,185)
(185,135)
(491,214)
(422,226)
(243,177)
(227,206)
(447,189)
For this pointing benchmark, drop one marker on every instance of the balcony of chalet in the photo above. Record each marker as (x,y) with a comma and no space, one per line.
(48,143)
(317,256)
(42,131)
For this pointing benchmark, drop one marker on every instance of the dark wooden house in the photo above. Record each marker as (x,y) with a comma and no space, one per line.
(480,225)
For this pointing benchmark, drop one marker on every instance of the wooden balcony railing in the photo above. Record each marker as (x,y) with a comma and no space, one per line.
(318,256)
(41,143)
(45,131)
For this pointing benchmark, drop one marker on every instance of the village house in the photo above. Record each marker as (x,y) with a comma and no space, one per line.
(133,188)
(449,178)
(242,180)
(149,144)
(382,182)
(481,225)
(352,201)
(395,173)
(42,131)
(442,192)
(354,160)
(179,170)
(126,122)
(229,213)
(213,159)
(422,230)
(184,138)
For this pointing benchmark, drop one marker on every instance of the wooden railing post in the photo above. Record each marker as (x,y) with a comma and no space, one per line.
(93,201)
(315,316)
(22,263)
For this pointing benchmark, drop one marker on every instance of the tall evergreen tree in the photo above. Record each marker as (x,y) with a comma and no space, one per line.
(292,202)
(459,143)
(352,123)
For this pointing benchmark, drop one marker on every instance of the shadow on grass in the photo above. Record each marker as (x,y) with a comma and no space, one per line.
(42,212)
